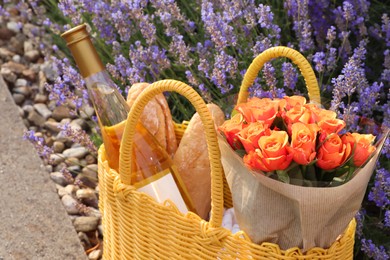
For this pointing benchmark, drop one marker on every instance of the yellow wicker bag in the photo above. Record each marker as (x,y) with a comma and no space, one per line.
(137,227)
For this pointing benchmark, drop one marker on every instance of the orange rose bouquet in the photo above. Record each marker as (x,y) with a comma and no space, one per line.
(297,176)
(296,142)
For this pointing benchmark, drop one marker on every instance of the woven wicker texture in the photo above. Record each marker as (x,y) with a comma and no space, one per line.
(275,52)
(137,227)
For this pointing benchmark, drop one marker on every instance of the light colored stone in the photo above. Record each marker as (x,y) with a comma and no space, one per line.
(49,71)
(93,212)
(80,122)
(16,58)
(8,75)
(74,168)
(95,254)
(57,158)
(18,98)
(90,159)
(70,204)
(88,197)
(75,126)
(15,67)
(14,26)
(32,55)
(28,108)
(100,229)
(36,118)
(78,152)
(22,90)
(71,189)
(29,74)
(20,83)
(43,110)
(87,112)
(59,178)
(62,192)
(40,98)
(90,169)
(5,53)
(61,112)
(58,147)
(28,46)
(52,125)
(85,224)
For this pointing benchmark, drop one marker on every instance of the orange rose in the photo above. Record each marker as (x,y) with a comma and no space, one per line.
(259,110)
(303,142)
(329,126)
(297,113)
(272,153)
(231,127)
(319,114)
(333,153)
(289,102)
(250,135)
(363,148)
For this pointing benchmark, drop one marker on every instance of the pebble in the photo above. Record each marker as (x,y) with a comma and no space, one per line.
(95,254)
(36,118)
(43,110)
(70,205)
(90,159)
(18,98)
(14,67)
(49,71)
(87,112)
(62,192)
(52,125)
(8,75)
(57,158)
(40,98)
(85,224)
(86,180)
(93,212)
(20,83)
(59,178)
(14,26)
(88,197)
(22,90)
(28,46)
(78,152)
(61,112)
(29,74)
(28,108)
(5,53)
(17,58)
(71,189)
(74,168)
(32,55)
(58,147)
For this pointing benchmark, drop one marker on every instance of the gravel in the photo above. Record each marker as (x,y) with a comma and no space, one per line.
(73,168)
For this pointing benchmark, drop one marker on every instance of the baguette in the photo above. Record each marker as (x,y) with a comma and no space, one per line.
(192,161)
(156,117)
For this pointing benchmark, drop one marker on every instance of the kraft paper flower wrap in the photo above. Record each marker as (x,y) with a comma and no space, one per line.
(307,192)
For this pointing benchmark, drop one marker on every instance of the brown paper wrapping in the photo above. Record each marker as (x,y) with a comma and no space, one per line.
(292,216)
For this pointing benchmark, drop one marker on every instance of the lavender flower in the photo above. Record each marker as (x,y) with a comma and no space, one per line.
(380,193)
(371,250)
(290,75)
(225,67)
(181,51)
(220,32)
(319,60)
(352,76)
(39,144)
(79,136)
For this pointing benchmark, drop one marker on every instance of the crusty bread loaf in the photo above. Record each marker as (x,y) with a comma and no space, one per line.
(192,161)
(156,117)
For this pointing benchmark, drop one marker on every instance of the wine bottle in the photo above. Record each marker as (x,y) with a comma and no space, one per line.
(153,171)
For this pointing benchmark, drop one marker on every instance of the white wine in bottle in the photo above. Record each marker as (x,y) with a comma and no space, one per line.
(153,171)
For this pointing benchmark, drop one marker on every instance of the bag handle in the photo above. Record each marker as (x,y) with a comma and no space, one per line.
(280,51)
(183,89)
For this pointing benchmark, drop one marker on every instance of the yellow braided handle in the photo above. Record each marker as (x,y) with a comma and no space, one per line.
(126,147)
(280,51)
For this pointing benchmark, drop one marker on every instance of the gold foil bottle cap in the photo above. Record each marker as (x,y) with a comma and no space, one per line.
(79,42)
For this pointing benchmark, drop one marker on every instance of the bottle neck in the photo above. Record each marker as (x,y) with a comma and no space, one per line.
(83,51)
